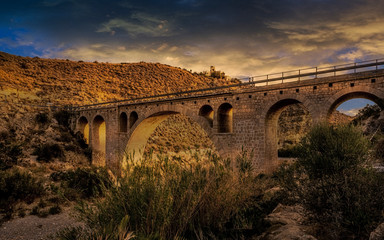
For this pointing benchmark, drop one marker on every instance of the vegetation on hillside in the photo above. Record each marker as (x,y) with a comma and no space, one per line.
(67,82)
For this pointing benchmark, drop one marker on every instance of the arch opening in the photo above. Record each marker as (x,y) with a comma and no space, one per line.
(84,128)
(123,122)
(99,140)
(225,118)
(207,112)
(286,122)
(133,117)
(168,133)
(347,107)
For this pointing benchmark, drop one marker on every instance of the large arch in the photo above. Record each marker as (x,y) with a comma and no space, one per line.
(369,93)
(271,117)
(83,127)
(146,126)
(99,141)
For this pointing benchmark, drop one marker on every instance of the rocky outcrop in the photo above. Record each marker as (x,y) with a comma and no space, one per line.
(287,222)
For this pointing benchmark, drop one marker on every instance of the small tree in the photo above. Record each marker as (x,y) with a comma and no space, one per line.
(332,180)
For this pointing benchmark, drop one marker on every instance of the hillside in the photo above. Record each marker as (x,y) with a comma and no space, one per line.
(67,82)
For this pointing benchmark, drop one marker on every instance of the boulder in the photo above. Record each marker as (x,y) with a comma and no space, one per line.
(378,233)
(287,223)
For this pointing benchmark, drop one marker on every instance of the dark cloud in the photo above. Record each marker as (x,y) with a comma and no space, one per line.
(240,37)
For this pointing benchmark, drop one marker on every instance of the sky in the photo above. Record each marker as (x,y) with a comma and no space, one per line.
(240,37)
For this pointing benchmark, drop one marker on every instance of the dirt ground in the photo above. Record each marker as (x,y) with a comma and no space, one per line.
(36,228)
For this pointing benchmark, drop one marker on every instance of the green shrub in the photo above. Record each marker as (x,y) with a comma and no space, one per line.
(332,181)
(289,152)
(16,186)
(65,137)
(10,149)
(367,112)
(170,199)
(42,118)
(379,149)
(83,182)
(56,209)
(63,117)
(47,152)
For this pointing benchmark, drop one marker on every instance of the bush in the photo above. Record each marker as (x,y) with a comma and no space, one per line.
(83,182)
(16,186)
(47,152)
(10,149)
(63,117)
(379,149)
(42,118)
(332,181)
(164,199)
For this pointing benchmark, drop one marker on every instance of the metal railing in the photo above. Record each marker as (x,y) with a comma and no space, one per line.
(315,72)
(255,81)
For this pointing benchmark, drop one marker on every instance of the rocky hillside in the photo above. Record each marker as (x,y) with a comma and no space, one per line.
(68,82)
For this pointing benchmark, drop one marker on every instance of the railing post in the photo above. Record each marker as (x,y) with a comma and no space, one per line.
(267,80)
(354,70)
(316,73)
(376,64)
(334,71)
(299,75)
(282,77)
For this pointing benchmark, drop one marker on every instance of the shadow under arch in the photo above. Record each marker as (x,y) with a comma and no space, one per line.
(123,122)
(271,128)
(83,128)
(137,142)
(99,141)
(341,98)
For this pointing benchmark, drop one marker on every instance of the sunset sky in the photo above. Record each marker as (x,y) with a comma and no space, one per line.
(239,37)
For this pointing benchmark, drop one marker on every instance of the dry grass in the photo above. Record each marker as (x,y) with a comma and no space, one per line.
(70,82)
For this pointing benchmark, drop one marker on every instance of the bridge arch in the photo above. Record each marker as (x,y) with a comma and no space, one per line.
(147,124)
(83,128)
(99,140)
(123,122)
(271,114)
(225,118)
(366,92)
(133,117)
(207,112)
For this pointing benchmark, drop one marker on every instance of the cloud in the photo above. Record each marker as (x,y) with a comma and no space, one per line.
(140,23)
(239,37)
(351,112)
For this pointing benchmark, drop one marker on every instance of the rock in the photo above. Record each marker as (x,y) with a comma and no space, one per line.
(378,233)
(287,224)
(286,215)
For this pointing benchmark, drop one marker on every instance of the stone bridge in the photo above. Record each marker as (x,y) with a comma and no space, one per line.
(234,117)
